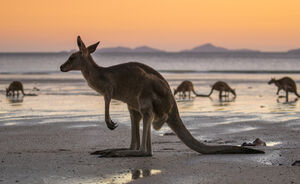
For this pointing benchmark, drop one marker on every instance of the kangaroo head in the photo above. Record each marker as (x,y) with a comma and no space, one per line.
(7,91)
(272,81)
(175,91)
(79,58)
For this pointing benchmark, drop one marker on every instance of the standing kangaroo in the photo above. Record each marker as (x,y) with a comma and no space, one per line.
(185,86)
(15,86)
(222,86)
(287,84)
(148,97)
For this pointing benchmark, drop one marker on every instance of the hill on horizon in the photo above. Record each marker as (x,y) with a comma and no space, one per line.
(295,51)
(205,48)
(141,49)
(208,47)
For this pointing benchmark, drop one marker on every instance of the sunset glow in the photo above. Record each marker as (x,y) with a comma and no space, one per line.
(34,25)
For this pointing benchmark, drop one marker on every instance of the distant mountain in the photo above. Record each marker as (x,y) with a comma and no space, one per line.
(296,51)
(205,48)
(208,47)
(142,49)
(145,49)
(114,49)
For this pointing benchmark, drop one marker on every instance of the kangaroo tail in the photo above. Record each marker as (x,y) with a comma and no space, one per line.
(23,92)
(296,93)
(199,95)
(211,91)
(176,124)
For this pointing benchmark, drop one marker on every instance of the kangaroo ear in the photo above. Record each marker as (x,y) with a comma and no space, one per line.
(82,47)
(93,47)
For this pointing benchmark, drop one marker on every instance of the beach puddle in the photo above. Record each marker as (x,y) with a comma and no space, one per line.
(128,176)
(83,126)
(242,129)
(268,159)
(273,143)
(10,124)
(122,177)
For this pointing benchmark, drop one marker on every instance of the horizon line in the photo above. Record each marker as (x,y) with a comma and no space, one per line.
(187,50)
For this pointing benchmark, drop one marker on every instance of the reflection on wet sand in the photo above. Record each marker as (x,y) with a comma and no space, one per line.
(15,100)
(227,99)
(185,103)
(286,105)
(129,175)
(273,143)
(221,103)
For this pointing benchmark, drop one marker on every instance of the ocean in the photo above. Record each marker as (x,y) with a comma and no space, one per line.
(64,97)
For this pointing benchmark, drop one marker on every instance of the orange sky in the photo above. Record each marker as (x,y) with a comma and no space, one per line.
(40,25)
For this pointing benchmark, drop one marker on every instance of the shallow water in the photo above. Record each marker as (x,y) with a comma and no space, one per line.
(41,63)
(66,97)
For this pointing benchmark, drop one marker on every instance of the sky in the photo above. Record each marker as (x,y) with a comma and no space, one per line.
(173,25)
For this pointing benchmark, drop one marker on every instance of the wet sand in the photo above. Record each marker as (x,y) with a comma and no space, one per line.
(59,153)
(47,138)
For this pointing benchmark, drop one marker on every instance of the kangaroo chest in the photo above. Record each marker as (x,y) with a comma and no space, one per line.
(94,87)
(93,81)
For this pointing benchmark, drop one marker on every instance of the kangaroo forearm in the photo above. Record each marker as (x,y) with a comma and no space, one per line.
(110,124)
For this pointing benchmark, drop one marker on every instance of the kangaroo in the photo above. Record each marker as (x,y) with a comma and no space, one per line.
(222,86)
(287,84)
(148,96)
(15,86)
(185,86)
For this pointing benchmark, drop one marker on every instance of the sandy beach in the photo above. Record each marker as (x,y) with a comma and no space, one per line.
(238,61)
(48,138)
(59,153)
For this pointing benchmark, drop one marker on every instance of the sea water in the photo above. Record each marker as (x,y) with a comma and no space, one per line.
(65,97)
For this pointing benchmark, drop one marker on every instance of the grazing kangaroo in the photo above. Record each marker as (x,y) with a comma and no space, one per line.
(15,86)
(222,86)
(186,86)
(287,84)
(148,97)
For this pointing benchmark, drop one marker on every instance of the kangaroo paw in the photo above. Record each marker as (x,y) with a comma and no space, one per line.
(112,125)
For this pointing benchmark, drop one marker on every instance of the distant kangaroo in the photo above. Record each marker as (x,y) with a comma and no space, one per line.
(15,86)
(287,84)
(185,86)
(222,86)
(148,97)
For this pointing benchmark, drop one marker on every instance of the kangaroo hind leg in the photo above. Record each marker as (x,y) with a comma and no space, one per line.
(220,94)
(135,117)
(159,122)
(146,146)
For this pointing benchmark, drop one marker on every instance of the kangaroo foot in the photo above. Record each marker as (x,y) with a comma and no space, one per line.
(106,151)
(112,125)
(126,153)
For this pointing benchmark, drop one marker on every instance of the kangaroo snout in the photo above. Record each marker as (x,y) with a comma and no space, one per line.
(63,68)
